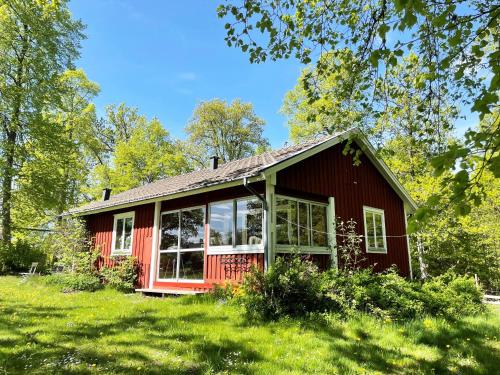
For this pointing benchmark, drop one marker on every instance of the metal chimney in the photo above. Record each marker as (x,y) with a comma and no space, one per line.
(106,193)
(215,162)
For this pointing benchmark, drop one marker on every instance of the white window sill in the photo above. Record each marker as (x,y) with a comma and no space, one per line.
(242,249)
(121,253)
(376,251)
(188,281)
(303,250)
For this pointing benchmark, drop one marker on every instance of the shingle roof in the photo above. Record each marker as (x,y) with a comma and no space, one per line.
(227,172)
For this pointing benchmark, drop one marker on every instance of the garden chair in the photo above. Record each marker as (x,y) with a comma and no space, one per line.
(32,270)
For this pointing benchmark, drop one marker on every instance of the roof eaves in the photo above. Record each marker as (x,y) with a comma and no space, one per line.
(153,197)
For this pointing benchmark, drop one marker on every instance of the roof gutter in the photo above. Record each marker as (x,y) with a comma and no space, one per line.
(254,192)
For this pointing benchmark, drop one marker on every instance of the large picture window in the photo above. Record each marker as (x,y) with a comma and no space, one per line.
(236,225)
(374,230)
(301,223)
(182,245)
(123,233)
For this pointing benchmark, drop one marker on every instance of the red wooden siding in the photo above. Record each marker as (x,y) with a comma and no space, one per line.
(220,268)
(331,174)
(100,227)
(215,272)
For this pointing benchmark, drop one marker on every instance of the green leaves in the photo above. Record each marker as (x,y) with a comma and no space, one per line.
(228,130)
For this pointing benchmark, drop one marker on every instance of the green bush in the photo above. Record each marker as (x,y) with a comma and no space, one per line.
(72,282)
(19,256)
(295,287)
(451,296)
(291,287)
(122,275)
(384,295)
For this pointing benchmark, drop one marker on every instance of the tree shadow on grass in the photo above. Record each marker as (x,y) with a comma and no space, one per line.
(461,348)
(69,352)
(155,343)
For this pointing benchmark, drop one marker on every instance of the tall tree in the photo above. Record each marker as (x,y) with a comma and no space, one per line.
(229,131)
(140,152)
(341,101)
(456,41)
(38,42)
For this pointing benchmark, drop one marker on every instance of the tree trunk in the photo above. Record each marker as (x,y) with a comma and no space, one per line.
(7,172)
(420,252)
(11,129)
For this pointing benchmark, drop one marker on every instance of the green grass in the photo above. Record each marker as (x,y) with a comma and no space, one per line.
(45,331)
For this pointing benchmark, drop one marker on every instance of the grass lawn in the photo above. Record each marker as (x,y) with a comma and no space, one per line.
(45,331)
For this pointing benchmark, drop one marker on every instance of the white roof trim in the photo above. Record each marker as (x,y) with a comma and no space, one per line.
(366,147)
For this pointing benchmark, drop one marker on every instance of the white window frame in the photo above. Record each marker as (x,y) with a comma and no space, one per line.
(234,249)
(124,215)
(179,249)
(381,212)
(281,248)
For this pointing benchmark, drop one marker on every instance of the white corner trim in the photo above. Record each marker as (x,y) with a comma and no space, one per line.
(382,213)
(269,220)
(154,245)
(332,231)
(122,215)
(408,244)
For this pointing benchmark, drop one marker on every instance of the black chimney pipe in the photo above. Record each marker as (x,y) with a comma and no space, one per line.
(106,193)
(215,162)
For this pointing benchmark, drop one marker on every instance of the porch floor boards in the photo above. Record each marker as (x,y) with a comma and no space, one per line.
(170,291)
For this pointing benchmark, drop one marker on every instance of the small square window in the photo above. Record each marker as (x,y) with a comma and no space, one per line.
(123,234)
(375,237)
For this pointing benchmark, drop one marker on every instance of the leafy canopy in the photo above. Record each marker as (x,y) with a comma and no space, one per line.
(456,42)
(228,130)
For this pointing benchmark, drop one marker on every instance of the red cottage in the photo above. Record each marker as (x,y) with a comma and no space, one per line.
(192,231)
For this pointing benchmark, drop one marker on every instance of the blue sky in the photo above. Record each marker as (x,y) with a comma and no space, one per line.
(164,57)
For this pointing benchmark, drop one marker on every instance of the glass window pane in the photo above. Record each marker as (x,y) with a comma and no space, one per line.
(119,234)
(379,231)
(191,265)
(221,224)
(169,231)
(319,232)
(168,265)
(371,241)
(304,224)
(286,222)
(128,233)
(370,230)
(192,228)
(248,222)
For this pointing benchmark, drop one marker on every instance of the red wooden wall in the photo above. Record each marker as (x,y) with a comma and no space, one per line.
(332,174)
(100,227)
(326,174)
